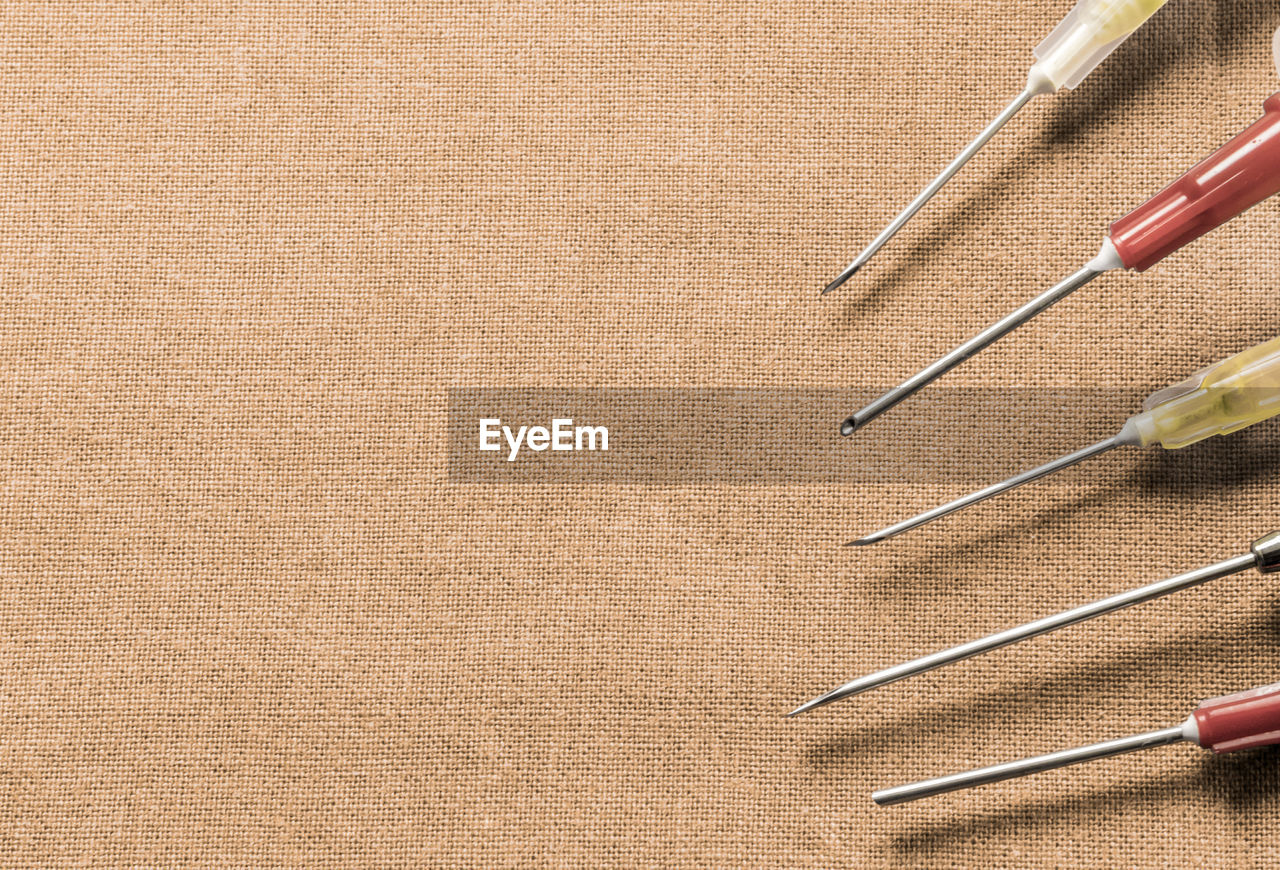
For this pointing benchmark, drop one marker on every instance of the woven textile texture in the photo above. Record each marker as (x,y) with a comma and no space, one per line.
(248,619)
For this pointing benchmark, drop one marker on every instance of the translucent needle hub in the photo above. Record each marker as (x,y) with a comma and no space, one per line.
(1090,32)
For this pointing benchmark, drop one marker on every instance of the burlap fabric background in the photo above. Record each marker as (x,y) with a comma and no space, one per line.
(247,619)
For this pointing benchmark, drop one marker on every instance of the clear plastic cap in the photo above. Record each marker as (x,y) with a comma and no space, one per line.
(1090,32)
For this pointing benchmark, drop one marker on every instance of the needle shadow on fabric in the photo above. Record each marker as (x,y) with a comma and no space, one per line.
(958,559)
(1199,473)
(1139,67)
(1202,472)
(962,220)
(1122,673)
(1244,782)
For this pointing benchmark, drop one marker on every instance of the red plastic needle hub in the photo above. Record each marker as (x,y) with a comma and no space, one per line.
(1240,721)
(1233,179)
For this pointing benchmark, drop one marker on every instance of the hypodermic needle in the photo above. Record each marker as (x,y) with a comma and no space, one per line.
(1090,32)
(1234,178)
(1264,555)
(1223,398)
(1233,722)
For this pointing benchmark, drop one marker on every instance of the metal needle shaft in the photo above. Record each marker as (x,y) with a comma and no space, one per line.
(934,186)
(988,336)
(998,772)
(1167,586)
(995,489)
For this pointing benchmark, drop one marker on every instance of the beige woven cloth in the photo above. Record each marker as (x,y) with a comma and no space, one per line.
(247,618)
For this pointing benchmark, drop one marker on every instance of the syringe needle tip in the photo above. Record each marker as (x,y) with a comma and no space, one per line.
(816,702)
(843,276)
(869,539)
(851,424)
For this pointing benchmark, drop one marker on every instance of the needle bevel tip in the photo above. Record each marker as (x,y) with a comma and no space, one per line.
(849,426)
(842,277)
(864,542)
(807,705)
